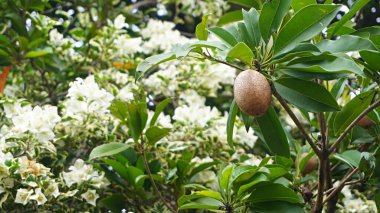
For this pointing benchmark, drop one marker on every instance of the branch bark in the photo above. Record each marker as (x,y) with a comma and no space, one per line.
(353,123)
(341,184)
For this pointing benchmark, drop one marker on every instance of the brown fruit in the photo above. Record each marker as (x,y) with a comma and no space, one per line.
(365,122)
(252,92)
(311,165)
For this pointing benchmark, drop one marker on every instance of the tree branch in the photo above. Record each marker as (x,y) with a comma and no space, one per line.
(167,204)
(209,57)
(341,184)
(353,123)
(297,122)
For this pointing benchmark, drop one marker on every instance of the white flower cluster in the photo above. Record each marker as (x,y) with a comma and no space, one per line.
(84,174)
(160,35)
(356,202)
(35,122)
(64,46)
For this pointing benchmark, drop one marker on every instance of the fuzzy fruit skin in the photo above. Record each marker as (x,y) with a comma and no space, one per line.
(365,122)
(252,92)
(311,165)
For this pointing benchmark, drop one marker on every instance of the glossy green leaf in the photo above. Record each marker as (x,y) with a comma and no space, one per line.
(273,132)
(212,194)
(154,134)
(137,118)
(325,64)
(202,167)
(151,62)
(201,29)
(225,178)
(246,3)
(224,36)
(203,203)
(299,4)
(346,43)
(258,178)
(251,22)
(242,52)
(117,167)
(354,9)
(107,150)
(38,53)
(351,110)
(119,109)
(114,203)
(274,192)
(159,108)
(243,173)
(234,109)
(230,17)
(307,95)
(371,58)
(277,206)
(350,157)
(271,16)
(306,23)
(209,44)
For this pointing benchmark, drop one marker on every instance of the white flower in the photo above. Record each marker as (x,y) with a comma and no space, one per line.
(197,116)
(38,196)
(126,46)
(90,196)
(119,22)
(244,137)
(162,120)
(52,190)
(191,97)
(23,196)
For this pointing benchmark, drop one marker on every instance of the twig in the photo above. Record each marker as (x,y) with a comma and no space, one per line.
(341,184)
(151,178)
(346,184)
(209,57)
(297,122)
(353,123)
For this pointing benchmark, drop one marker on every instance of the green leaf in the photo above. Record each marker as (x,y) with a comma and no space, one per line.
(377,201)
(246,3)
(202,167)
(274,192)
(151,62)
(230,17)
(355,8)
(38,53)
(299,4)
(225,178)
(159,108)
(371,58)
(137,118)
(201,29)
(307,95)
(351,110)
(305,24)
(209,44)
(323,66)
(346,43)
(271,16)
(258,178)
(155,134)
(224,36)
(276,206)
(234,109)
(117,167)
(114,203)
(251,22)
(273,132)
(119,109)
(243,173)
(242,52)
(350,157)
(203,203)
(211,194)
(107,150)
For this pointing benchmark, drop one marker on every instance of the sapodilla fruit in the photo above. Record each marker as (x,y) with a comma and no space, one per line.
(252,92)
(311,165)
(365,122)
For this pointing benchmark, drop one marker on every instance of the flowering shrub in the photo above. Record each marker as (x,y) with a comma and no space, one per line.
(127,106)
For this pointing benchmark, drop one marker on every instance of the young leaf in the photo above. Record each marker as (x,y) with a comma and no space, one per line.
(351,110)
(306,95)
(299,4)
(155,134)
(305,24)
(359,4)
(251,22)
(203,203)
(137,117)
(273,133)
(225,178)
(107,150)
(201,29)
(119,109)
(271,16)
(159,108)
(231,122)
(224,36)
(242,52)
